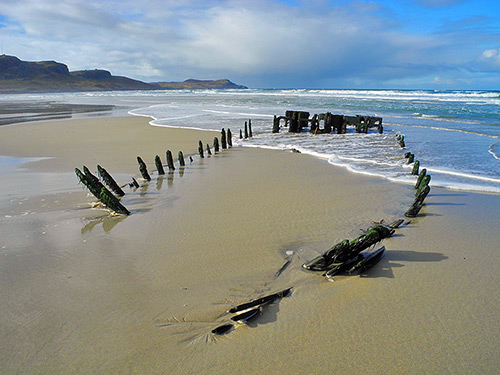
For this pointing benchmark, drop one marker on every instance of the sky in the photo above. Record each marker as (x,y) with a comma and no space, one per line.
(400,44)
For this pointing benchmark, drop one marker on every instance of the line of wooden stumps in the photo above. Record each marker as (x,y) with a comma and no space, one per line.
(422,185)
(112,201)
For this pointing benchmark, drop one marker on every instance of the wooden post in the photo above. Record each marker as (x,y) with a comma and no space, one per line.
(425,182)
(276,125)
(208,150)
(93,188)
(411,158)
(143,169)
(181,159)
(223,139)
(108,180)
(159,166)
(241,134)
(416,166)
(216,144)
(246,130)
(112,202)
(170,160)
(200,149)
(250,134)
(423,172)
(229,138)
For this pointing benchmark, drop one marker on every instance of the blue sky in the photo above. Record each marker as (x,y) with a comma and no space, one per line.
(429,44)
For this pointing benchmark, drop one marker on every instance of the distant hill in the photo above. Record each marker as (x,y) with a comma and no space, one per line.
(17,76)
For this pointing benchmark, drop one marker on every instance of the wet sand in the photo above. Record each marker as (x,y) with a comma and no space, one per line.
(86,292)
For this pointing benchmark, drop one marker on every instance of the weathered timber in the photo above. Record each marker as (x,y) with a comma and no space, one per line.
(143,169)
(401,140)
(421,175)
(208,150)
(88,183)
(180,156)
(276,125)
(416,166)
(414,209)
(200,149)
(245,316)
(368,260)
(159,165)
(170,160)
(346,251)
(229,138)
(93,179)
(396,223)
(260,301)
(109,181)
(241,134)
(223,140)
(190,159)
(216,144)
(336,268)
(425,181)
(250,134)
(411,158)
(246,130)
(134,183)
(222,329)
(112,202)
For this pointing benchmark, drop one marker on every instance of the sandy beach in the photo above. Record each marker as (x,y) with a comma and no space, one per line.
(85,292)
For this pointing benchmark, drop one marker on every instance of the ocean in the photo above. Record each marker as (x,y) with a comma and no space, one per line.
(455,135)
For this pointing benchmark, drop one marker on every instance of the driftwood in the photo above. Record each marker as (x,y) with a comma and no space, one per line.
(159,165)
(143,169)
(109,181)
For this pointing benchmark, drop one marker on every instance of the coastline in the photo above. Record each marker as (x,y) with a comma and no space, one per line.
(88,292)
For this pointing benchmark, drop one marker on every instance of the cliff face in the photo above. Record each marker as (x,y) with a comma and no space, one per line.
(17,76)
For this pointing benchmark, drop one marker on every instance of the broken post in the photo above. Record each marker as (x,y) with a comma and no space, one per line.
(422,174)
(229,138)
(200,149)
(411,158)
(246,130)
(241,134)
(170,161)
(425,181)
(276,125)
(112,202)
(208,150)
(181,159)
(143,169)
(159,165)
(223,139)
(108,180)
(416,166)
(216,144)
(250,128)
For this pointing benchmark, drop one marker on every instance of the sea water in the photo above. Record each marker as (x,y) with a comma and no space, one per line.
(454,134)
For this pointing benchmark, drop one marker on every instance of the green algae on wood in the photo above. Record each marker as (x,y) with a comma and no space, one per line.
(143,169)
(159,165)
(109,181)
(170,160)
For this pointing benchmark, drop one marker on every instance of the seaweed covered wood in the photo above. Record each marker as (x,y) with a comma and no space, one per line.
(180,156)
(170,160)
(143,169)
(159,165)
(200,149)
(109,181)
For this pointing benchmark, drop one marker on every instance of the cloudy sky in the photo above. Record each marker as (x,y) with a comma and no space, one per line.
(434,44)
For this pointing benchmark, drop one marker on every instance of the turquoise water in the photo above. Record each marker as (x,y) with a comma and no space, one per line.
(454,134)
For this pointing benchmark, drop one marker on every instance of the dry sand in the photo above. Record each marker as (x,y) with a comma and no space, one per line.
(86,292)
